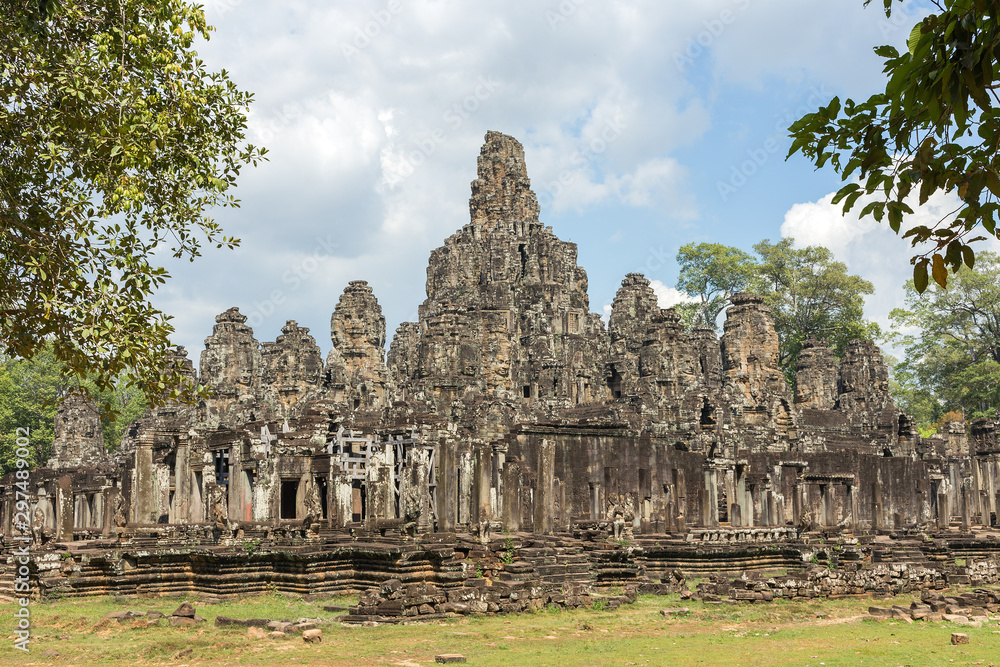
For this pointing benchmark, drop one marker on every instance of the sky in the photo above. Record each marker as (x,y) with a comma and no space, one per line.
(646,125)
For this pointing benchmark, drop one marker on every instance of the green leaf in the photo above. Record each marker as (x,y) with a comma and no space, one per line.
(920,276)
(969,257)
(913,39)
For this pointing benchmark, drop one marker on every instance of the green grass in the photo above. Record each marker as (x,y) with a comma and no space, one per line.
(779,633)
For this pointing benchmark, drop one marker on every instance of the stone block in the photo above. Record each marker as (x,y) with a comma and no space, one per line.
(312,636)
(449,658)
(959,638)
(955,618)
(186,609)
(674,611)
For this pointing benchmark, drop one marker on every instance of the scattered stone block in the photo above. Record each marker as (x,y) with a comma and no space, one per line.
(955,618)
(225,622)
(899,615)
(449,658)
(186,610)
(118,615)
(674,611)
(312,636)
(959,638)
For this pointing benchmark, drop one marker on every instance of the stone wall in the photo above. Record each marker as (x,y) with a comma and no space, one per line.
(510,406)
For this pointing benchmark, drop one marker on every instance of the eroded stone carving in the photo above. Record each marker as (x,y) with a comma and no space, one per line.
(509,406)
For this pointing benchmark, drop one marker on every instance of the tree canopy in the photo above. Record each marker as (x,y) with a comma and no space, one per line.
(935,128)
(952,342)
(116,144)
(809,292)
(811,295)
(712,273)
(30,392)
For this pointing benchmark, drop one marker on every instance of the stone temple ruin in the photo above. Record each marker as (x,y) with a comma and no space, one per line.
(508,432)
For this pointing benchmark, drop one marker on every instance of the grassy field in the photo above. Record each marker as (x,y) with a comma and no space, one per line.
(830,632)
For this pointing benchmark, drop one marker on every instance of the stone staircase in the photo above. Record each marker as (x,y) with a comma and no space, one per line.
(554,560)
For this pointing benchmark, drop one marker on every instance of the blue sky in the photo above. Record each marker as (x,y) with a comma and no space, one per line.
(646,125)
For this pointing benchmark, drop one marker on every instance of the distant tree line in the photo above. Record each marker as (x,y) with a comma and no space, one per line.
(952,342)
(951,337)
(809,292)
(30,392)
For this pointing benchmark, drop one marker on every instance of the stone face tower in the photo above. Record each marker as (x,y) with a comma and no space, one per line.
(78,439)
(509,403)
(507,312)
(357,361)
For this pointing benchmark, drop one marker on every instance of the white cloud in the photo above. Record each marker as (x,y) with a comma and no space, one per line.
(374,112)
(869,248)
(668,297)
(606,310)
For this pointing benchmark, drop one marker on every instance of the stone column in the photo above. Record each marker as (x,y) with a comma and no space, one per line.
(852,507)
(966,501)
(466,509)
(145,504)
(511,506)
(544,497)
(482,475)
(341,500)
(680,490)
(944,512)
(877,522)
(64,508)
(740,496)
(182,485)
(735,519)
(446,492)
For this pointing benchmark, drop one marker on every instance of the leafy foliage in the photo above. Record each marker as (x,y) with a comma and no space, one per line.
(952,340)
(30,391)
(913,397)
(936,127)
(712,273)
(811,295)
(117,141)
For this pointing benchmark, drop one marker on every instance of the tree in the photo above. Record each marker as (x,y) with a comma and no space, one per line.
(712,273)
(30,392)
(811,295)
(936,127)
(116,143)
(913,397)
(952,338)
